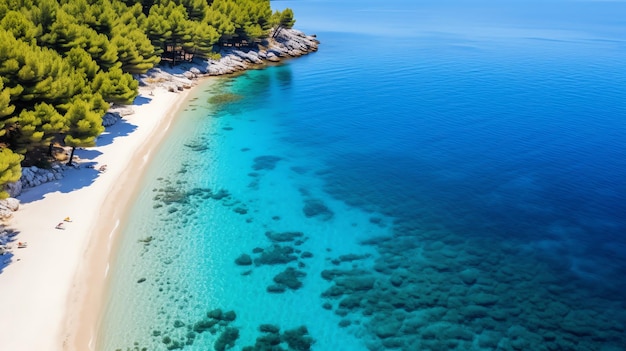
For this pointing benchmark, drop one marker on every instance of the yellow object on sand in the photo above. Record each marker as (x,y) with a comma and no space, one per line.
(67,219)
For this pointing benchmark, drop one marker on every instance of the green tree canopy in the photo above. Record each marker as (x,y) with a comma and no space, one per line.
(116,86)
(84,125)
(10,169)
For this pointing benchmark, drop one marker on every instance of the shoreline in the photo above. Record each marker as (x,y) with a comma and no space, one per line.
(56,286)
(87,303)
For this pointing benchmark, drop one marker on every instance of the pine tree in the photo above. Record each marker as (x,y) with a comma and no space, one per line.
(116,86)
(84,125)
(10,169)
(20,26)
(135,51)
(6,108)
(203,37)
(82,63)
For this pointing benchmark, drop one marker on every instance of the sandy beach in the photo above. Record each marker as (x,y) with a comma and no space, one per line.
(53,290)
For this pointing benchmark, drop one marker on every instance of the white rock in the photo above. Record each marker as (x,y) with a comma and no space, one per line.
(110,118)
(5,213)
(12,204)
(14,189)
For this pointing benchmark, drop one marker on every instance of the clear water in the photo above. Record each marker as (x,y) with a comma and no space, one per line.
(470,157)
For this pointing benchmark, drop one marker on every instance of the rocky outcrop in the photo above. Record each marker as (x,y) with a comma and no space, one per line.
(14,189)
(6,236)
(7,207)
(110,118)
(287,43)
(31,177)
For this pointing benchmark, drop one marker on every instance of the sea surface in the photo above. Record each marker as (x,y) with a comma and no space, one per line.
(444,175)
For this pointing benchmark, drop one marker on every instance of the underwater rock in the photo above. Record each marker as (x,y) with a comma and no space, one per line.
(268,341)
(284,236)
(298,339)
(393,343)
(334,291)
(240,210)
(317,208)
(330,274)
(290,278)
(342,312)
(396,280)
(472,312)
(204,325)
(356,283)
(221,194)
(276,255)
(265,162)
(276,289)
(215,314)
(197,146)
(170,195)
(387,328)
(229,316)
(469,276)
(353,257)
(244,260)
(577,323)
(350,302)
(227,339)
(269,328)
(344,323)
(484,299)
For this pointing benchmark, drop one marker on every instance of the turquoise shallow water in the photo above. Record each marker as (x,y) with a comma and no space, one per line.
(458,186)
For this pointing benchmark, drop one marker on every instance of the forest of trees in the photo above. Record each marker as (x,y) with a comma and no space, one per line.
(64,62)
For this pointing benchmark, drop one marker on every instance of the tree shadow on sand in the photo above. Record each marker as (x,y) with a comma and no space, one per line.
(77,178)
(119,129)
(141,100)
(7,239)
(5,260)
(73,179)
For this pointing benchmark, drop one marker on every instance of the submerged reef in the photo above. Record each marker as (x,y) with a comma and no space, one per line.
(279,253)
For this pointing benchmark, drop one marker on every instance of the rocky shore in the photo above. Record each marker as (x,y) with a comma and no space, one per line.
(287,43)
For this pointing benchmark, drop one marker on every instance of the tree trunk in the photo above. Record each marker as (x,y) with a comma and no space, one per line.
(69,163)
(50,149)
(276,31)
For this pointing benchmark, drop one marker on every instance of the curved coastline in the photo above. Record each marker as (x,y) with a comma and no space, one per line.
(86,301)
(56,286)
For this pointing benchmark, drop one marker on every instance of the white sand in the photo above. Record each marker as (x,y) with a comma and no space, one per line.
(52,293)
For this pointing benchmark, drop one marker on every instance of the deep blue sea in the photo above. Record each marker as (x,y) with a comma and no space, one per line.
(444,175)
